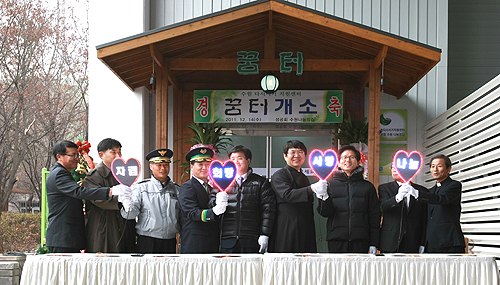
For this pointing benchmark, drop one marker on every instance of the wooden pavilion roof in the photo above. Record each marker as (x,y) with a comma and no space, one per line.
(202,53)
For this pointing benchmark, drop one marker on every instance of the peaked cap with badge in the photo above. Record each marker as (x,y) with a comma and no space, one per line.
(200,154)
(161,155)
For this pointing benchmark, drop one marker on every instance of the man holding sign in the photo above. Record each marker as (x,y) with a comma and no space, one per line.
(104,222)
(66,230)
(156,206)
(200,224)
(403,226)
(444,234)
(294,229)
(352,207)
(249,218)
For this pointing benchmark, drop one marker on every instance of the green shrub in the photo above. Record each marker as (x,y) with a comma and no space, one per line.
(19,232)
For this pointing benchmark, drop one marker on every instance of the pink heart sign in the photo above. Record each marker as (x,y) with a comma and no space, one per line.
(223,174)
(408,165)
(126,172)
(322,163)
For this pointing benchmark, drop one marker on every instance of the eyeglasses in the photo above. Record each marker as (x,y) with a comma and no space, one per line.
(347,157)
(296,153)
(76,155)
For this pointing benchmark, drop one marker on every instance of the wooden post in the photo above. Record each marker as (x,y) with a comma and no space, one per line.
(374,125)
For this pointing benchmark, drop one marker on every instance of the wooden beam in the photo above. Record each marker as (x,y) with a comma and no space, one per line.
(374,126)
(382,54)
(270,39)
(159,104)
(156,54)
(164,108)
(201,64)
(171,77)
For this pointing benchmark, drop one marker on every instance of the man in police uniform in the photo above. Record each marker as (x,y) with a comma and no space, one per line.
(200,228)
(155,203)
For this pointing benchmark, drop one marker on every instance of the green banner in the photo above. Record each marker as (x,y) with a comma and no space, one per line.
(255,106)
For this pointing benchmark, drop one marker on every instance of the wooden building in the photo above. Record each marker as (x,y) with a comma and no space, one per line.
(201,54)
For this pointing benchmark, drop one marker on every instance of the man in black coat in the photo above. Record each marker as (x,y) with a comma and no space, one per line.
(404,222)
(200,224)
(352,207)
(66,230)
(248,221)
(444,233)
(294,229)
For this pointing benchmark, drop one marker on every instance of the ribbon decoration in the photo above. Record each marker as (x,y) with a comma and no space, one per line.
(83,149)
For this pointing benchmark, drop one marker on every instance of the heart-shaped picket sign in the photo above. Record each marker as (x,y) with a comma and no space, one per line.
(126,172)
(322,163)
(408,165)
(223,174)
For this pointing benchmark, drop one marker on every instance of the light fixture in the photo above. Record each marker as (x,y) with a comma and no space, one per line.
(269,83)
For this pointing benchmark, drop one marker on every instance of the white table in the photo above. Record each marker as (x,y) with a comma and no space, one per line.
(101,269)
(388,269)
(269,269)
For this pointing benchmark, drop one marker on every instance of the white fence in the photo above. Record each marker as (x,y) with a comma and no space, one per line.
(469,133)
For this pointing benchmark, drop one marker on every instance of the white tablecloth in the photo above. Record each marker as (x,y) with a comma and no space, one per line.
(148,270)
(269,269)
(388,269)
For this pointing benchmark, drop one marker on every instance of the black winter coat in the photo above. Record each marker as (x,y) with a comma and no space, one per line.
(352,208)
(251,209)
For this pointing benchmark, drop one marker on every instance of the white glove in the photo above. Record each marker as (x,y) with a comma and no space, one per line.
(221,197)
(126,202)
(402,191)
(372,249)
(412,191)
(120,190)
(263,242)
(319,187)
(219,209)
(421,249)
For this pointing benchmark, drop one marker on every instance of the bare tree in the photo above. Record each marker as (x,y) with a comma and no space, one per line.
(43,88)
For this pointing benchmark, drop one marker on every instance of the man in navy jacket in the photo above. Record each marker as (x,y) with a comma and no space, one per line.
(66,230)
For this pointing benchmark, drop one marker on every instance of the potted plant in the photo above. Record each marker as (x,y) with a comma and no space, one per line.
(211,135)
(355,133)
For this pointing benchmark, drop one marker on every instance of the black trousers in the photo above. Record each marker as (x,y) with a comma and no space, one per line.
(356,246)
(450,249)
(54,249)
(239,246)
(147,244)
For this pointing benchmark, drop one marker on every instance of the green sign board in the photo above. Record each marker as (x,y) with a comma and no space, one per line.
(255,106)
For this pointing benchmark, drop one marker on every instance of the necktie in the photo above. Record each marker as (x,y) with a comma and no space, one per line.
(240,180)
(406,204)
(205,185)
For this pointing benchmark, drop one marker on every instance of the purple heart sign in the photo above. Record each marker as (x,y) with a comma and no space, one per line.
(322,163)
(408,165)
(126,172)
(223,174)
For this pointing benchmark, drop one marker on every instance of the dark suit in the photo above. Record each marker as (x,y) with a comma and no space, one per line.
(200,226)
(443,220)
(64,197)
(403,228)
